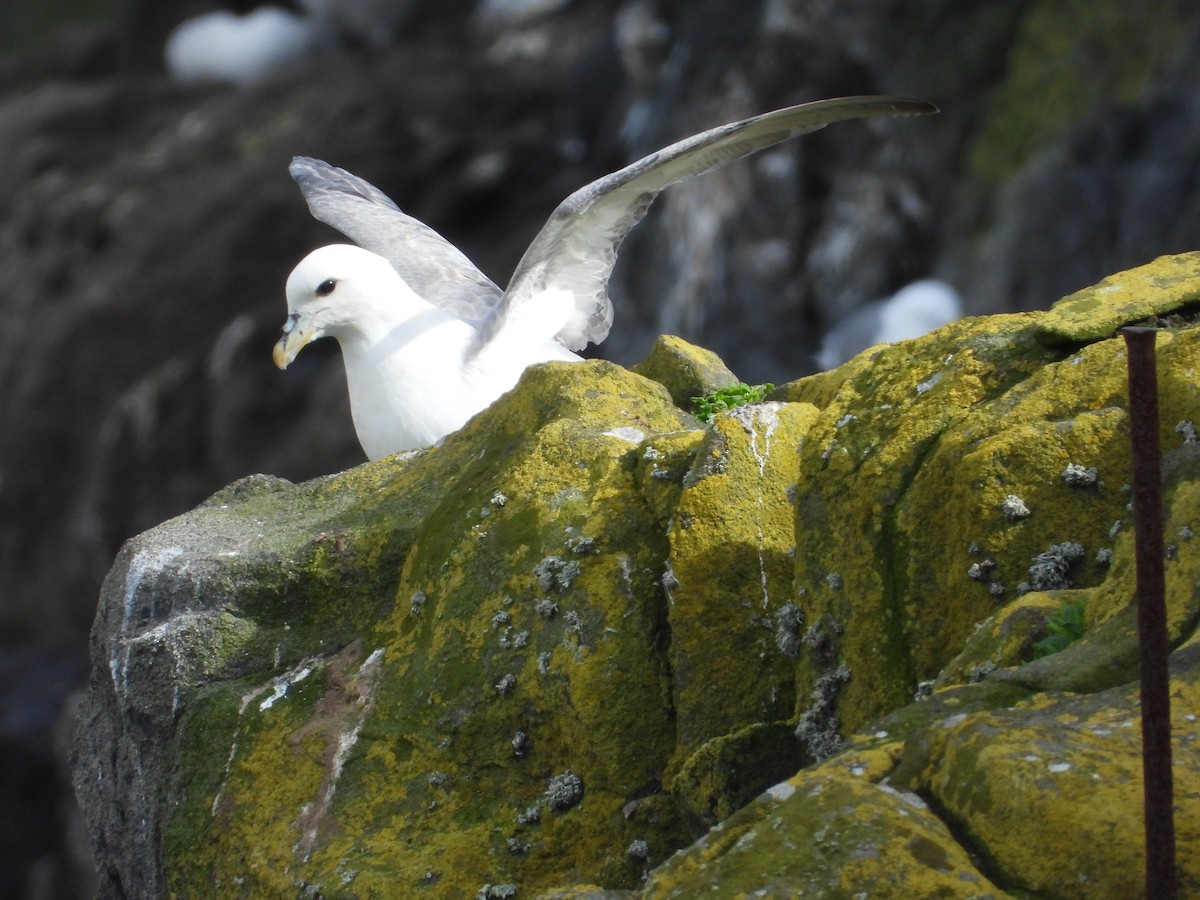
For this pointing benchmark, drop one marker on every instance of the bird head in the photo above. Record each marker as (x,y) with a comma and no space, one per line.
(332,292)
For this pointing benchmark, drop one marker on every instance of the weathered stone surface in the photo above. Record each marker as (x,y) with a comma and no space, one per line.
(730,574)
(1051,789)
(1122,299)
(447,638)
(685,370)
(938,472)
(825,835)
(552,650)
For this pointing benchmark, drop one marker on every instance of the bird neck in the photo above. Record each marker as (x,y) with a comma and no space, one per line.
(429,331)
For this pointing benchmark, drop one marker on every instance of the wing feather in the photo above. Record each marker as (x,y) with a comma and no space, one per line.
(432,266)
(577,248)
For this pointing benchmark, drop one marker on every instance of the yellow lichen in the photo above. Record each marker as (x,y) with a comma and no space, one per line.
(730,573)
(825,835)
(1052,789)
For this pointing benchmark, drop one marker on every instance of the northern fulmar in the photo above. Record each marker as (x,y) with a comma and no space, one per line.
(428,340)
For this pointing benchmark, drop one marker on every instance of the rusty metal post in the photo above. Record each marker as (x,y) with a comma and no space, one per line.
(1154,649)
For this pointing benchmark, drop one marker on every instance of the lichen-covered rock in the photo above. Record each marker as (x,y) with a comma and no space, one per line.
(1096,312)
(732,610)
(686,371)
(377,635)
(547,654)
(938,484)
(1051,789)
(445,708)
(825,835)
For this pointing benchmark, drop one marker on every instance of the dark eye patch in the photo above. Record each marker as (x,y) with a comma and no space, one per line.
(325,288)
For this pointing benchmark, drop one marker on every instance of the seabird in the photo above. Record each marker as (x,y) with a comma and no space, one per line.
(428,340)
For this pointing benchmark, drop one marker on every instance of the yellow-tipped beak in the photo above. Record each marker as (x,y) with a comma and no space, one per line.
(295,338)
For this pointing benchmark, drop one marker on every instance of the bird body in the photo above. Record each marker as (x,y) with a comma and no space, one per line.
(428,340)
(412,370)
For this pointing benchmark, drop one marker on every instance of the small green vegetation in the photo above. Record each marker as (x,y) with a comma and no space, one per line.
(728,398)
(1065,626)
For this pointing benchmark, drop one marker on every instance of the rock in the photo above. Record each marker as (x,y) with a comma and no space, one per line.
(938,433)
(551,652)
(826,835)
(727,772)
(685,370)
(730,576)
(1061,773)
(1137,295)
(319,656)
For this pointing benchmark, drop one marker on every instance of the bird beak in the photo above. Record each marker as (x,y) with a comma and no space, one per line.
(297,334)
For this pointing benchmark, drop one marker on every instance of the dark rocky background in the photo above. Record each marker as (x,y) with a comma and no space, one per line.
(146,229)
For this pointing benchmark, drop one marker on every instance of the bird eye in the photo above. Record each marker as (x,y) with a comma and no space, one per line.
(325,288)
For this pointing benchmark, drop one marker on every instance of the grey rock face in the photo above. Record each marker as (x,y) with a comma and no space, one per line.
(171,620)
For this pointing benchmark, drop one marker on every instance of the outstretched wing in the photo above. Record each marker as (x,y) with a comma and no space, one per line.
(432,266)
(577,247)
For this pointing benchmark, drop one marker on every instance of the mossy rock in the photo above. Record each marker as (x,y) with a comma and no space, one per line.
(730,575)
(686,371)
(542,654)
(939,471)
(525,613)
(1050,789)
(825,835)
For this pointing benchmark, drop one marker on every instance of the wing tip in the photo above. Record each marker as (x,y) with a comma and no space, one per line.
(306,166)
(897,105)
(912,107)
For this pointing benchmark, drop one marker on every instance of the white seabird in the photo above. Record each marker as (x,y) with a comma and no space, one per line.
(221,46)
(428,340)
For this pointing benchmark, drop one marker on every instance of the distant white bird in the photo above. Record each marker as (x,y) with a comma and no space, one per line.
(912,311)
(428,340)
(221,46)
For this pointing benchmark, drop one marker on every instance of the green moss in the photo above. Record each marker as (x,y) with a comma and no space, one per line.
(1165,285)
(438,744)
(903,723)
(273,763)
(1003,639)
(726,398)
(729,572)
(728,772)
(1052,789)
(825,835)
(1065,626)
(868,502)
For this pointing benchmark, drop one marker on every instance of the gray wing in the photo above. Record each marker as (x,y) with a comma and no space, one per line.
(429,264)
(577,247)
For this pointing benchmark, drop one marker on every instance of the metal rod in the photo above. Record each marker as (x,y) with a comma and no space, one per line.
(1154,648)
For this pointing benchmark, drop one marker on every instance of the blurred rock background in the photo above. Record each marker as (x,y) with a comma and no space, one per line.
(147,225)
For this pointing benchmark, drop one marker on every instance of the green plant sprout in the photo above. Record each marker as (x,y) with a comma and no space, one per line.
(1065,626)
(727,398)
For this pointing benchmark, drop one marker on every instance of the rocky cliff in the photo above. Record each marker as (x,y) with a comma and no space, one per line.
(146,228)
(586,631)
